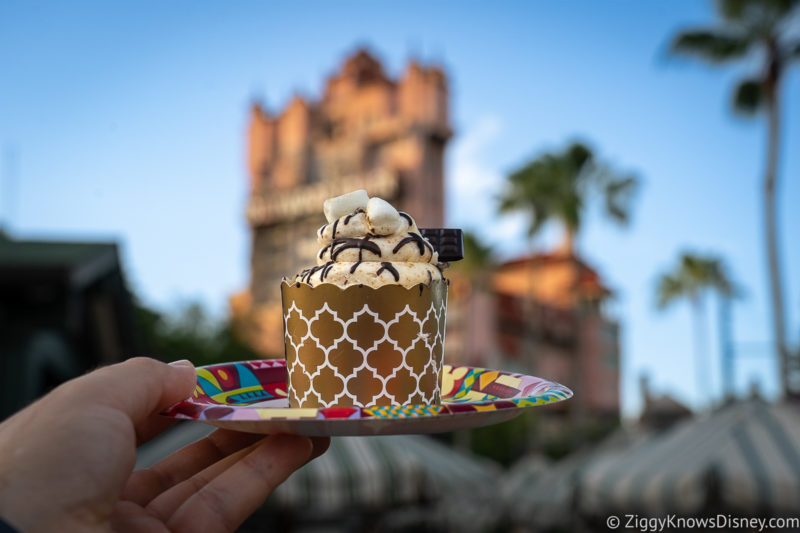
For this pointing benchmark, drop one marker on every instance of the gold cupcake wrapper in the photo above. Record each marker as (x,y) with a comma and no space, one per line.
(364,347)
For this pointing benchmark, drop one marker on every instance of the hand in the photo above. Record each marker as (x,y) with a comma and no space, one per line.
(66,462)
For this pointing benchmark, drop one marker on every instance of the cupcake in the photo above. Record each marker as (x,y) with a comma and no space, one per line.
(365,326)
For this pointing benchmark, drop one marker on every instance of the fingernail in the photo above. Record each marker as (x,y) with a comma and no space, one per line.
(182,362)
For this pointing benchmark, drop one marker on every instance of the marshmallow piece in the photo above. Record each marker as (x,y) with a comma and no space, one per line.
(382,218)
(344,204)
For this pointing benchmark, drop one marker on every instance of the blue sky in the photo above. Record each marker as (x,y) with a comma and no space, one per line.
(126,121)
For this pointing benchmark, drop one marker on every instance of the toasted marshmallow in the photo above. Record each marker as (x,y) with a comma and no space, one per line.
(344,204)
(382,217)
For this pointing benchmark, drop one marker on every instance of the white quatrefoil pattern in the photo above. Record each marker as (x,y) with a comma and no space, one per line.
(364,352)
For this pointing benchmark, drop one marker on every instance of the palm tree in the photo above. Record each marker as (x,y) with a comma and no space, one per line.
(691,279)
(762,29)
(556,187)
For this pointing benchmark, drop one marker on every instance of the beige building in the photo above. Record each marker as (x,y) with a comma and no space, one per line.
(552,322)
(545,315)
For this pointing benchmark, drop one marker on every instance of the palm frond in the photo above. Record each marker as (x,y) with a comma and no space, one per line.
(570,211)
(714,46)
(478,256)
(537,222)
(578,155)
(748,97)
(557,186)
(755,11)
(731,9)
(693,275)
(669,289)
(508,202)
(794,51)
(619,194)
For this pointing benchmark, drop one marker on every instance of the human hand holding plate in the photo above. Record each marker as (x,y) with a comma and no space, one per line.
(66,462)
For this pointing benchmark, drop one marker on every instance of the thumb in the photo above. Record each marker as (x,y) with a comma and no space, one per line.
(139,387)
(184,380)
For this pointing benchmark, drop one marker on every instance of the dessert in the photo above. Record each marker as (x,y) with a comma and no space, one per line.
(365,325)
(373,245)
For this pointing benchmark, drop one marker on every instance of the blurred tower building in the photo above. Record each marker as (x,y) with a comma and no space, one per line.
(367,131)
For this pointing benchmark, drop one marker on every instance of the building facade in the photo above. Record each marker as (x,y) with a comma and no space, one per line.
(65,308)
(544,315)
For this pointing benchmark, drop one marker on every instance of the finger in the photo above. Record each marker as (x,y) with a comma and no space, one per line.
(231,497)
(320,446)
(128,517)
(140,387)
(153,426)
(144,485)
(165,504)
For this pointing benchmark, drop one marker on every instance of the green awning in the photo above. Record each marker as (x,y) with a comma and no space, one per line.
(541,495)
(362,473)
(744,457)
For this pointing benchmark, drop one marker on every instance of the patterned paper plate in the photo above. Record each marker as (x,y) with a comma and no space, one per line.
(251,396)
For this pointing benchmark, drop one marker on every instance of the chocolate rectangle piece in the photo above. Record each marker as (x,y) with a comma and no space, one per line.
(449,242)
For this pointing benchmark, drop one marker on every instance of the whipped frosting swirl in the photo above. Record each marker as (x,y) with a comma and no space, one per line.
(374,245)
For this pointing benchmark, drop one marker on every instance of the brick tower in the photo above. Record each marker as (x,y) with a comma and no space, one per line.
(366,132)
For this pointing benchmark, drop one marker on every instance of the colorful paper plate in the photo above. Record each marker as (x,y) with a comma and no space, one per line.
(250,396)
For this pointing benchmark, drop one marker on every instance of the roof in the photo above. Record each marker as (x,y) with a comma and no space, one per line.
(541,496)
(369,473)
(666,404)
(549,258)
(589,280)
(76,262)
(363,68)
(743,457)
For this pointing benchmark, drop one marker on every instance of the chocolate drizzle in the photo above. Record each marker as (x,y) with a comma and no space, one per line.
(339,245)
(407,217)
(326,270)
(391,269)
(417,239)
(324,249)
(335,225)
(351,215)
(355,265)
(305,275)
